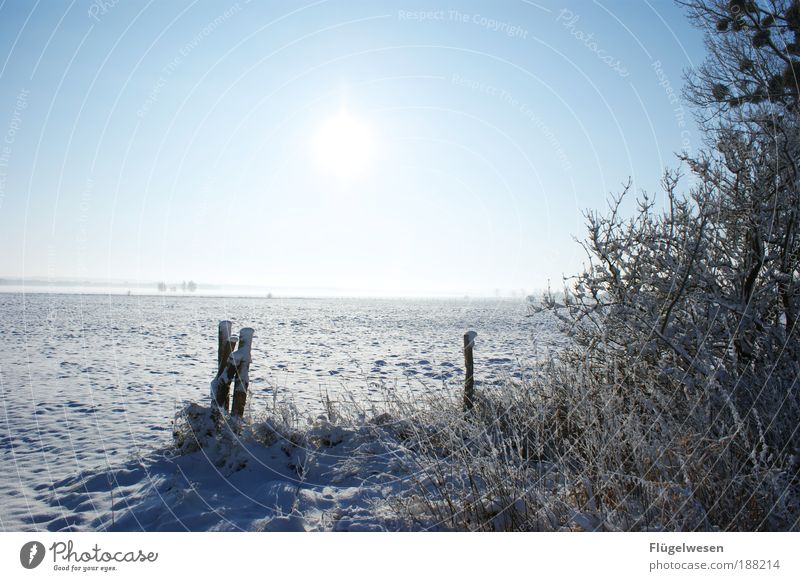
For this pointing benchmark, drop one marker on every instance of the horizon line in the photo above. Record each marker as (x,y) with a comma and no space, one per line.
(174,288)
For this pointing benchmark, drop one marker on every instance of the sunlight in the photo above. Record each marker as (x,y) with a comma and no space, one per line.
(343,146)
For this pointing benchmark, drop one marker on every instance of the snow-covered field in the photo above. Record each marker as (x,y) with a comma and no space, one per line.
(90,385)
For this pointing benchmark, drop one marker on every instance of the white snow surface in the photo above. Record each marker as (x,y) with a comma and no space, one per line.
(325,479)
(91,385)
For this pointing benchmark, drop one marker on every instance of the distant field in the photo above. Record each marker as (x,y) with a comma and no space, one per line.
(91,380)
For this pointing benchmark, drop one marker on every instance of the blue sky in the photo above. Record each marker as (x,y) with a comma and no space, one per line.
(148,141)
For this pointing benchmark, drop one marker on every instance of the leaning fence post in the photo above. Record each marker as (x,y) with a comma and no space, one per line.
(241,359)
(220,387)
(469,377)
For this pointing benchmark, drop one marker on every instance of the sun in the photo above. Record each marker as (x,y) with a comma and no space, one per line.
(344,146)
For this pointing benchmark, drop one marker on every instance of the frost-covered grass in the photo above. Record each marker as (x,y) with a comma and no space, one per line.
(580,446)
(584,440)
(572,450)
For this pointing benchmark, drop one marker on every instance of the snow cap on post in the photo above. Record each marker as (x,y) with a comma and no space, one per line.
(470,339)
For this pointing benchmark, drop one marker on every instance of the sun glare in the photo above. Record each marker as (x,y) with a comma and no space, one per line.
(343,146)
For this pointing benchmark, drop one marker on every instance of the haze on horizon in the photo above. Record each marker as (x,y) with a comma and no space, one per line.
(387,148)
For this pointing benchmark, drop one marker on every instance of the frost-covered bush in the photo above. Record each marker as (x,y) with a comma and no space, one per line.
(686,315)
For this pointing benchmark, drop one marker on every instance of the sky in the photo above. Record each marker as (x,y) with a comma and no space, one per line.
(336,146)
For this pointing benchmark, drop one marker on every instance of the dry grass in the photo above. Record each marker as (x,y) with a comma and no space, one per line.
(584,445)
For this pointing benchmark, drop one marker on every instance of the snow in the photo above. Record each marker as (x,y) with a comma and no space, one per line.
(264,479)
(90,387)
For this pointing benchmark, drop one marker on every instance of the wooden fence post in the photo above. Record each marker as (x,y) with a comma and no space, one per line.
(220,387)
(469,377)
(241,358)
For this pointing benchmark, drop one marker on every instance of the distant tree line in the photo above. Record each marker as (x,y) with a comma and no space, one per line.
(190,286)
